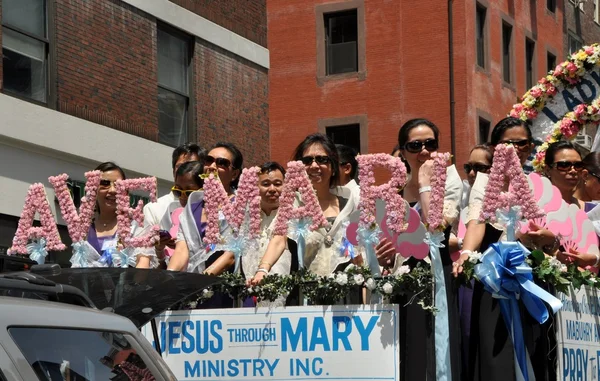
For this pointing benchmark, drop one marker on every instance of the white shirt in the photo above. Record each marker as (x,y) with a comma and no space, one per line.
(155,211)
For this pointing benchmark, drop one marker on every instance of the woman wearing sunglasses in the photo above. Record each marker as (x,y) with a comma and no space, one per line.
(589,187)
(226,160)
(490,348)
(322,255)
(417,140)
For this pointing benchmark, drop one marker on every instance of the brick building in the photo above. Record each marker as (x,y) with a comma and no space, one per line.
(358,69)
(125,80)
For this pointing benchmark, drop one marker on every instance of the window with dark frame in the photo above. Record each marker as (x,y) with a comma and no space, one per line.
(25,49)
(484,130)
(529,63)
(506,52)
(341,42)
(575,44)
(551,5)
(348,135)
(480,19)
(173,87)
(550,61)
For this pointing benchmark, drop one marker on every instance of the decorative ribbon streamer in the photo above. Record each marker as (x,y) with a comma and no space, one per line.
(442,326)
(123,258)
(298,231)
(510,218)
(37,250)
(238,244)
(505,274)
(84,255)
(107,257)
(347,249)
(369,238)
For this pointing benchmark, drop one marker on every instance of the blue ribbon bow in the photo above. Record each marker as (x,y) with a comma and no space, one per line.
(37,250)
(237,243)
(123,258)
(505,274)
(107,256)
(82,252)
(299,230)
(347,249)
(442,324)
(369,238)
(510,218)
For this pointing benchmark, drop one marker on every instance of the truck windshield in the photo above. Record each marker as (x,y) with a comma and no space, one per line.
(73,354)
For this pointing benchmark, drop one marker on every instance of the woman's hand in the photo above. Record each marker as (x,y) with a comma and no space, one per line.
(425,173)
(386,253)
(256,279)
(540,236)
(457,267)
(580,259)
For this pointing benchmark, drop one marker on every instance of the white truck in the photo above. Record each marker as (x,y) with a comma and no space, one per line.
(64,336)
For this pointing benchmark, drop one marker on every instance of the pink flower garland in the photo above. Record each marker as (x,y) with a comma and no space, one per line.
(389,192)
(78,224)
(297,179)
(125,214)
(215,197)
(435,219)
(507,164)
(36,201)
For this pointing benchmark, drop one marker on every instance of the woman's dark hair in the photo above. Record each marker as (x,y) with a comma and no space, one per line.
(271,166)
(196,168)
(591,162)
(554,148)
(397,148)
(110,166)
(329,148)
(187,149)
(413,123)
(347,155)
(238,159)
(489,152)
(506,124)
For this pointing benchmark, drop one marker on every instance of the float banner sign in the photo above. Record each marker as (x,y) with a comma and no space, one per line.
(281,344)
(578,335)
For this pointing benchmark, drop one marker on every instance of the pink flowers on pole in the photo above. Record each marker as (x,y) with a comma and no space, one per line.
(78,224)
(507,165)
(125,214)
(247,198)
(389,192)
(296,179)
(36,201)
(435,219)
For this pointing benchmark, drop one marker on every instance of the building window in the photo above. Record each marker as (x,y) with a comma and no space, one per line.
(550,61)
(341,42)
(596,12)
(575,43)
(481,34)
(506,52)
(173,87)
(529,63)
(484,130)
(348,135)
(25,49)
(551,5)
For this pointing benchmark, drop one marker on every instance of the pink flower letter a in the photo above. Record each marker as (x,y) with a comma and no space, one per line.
(389,192)
(36,201)
(247,195)
(296,180)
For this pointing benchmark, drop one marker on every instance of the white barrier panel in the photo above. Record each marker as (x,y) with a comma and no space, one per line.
(292,343)
(578,335)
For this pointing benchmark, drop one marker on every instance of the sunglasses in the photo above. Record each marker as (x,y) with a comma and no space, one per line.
(517,143)
(107,183)
(417,146)
(476,168)
(180,192)
(221,161)
(567,165)
(321,160)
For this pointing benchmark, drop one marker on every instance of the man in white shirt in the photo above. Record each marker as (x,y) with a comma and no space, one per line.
(155,211)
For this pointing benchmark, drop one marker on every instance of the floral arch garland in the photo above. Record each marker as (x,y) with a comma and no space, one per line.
(570,74)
